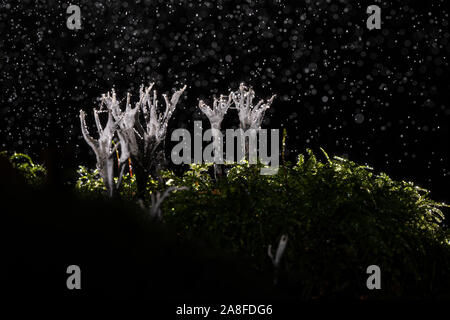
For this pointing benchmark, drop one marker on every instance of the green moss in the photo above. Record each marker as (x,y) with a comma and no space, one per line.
(340,217)
(35,174)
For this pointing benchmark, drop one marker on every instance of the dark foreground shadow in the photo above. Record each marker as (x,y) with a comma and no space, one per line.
(122,254)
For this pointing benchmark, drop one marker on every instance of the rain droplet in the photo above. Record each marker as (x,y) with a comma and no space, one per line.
(359,118)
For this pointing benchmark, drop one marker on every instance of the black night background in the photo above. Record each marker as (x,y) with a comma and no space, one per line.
(375,97)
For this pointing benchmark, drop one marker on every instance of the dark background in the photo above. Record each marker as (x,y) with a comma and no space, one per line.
(379,97)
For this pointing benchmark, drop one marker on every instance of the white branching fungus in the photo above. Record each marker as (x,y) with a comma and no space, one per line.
(126,130)
(156,122)
(143,141)
(217,112)
(103,148)
(150,157)
(250,116)
(215,116)
(280,251)
(277,258)
(158,198)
